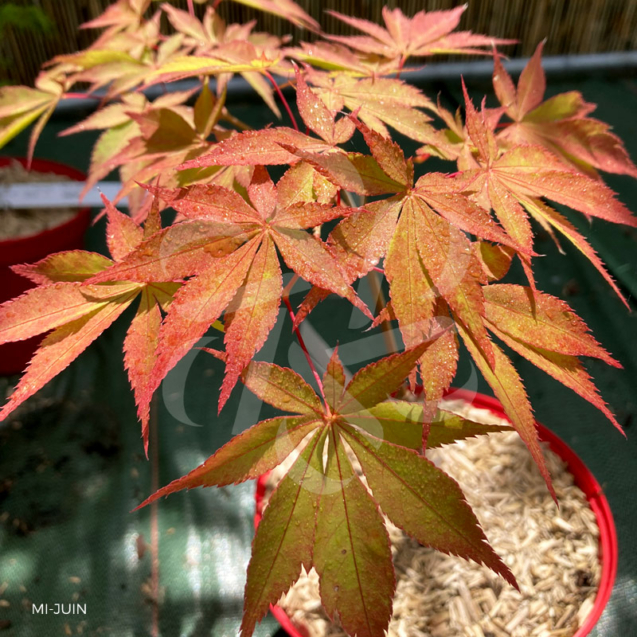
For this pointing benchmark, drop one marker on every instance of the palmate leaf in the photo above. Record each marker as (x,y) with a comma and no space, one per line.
(244,278)
(509,390)
(64,345)
(560,124)
(321,515)
(352,554)
(545,215)
(281,549)
(426,255)
(427,33)
(378,102)
(273,146)
(511,181)
(78,309)
(547,332)
(422,500)
(20,106)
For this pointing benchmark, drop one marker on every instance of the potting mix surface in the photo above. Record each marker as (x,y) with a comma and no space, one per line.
(75,560)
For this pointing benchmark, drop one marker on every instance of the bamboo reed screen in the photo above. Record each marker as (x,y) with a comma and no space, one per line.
(570,26)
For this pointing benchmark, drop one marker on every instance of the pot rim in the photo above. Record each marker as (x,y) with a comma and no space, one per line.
(45,166)
(584,479)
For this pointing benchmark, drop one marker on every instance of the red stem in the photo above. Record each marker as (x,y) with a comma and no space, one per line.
(317,377)
(282,98)
(400,67)
(191,8)
(81,96)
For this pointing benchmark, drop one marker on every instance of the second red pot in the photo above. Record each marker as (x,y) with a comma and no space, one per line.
(67,236)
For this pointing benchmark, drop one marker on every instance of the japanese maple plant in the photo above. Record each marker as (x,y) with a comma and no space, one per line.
(444,242)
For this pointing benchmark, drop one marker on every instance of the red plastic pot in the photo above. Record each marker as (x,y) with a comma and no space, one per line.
(67,236)
(584,479)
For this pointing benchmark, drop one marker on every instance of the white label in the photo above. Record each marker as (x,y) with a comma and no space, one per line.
(63,194)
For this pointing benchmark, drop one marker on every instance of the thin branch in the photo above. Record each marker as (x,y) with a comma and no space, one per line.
(191,8)
(80,96)
(375,283)
(317,377)
(282,98)
(154,519)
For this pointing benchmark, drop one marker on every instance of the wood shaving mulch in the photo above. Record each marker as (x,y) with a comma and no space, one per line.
(27,222)
(553,553)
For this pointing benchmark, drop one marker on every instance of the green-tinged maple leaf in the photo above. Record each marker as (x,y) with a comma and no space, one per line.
(71,266)
(400,422)
(427,33)
(509,390)
(20,106)
(378,381)
(247,456)
(423,501)
(560,124)
(447,428)
(352,554)
(321,515)
(281,548)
